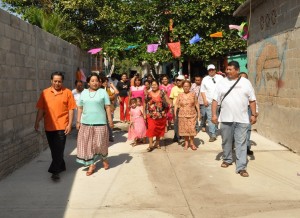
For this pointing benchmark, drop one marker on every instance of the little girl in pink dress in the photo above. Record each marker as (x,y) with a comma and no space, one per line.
(137,127)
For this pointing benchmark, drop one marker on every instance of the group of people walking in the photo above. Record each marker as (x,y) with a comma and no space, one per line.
(149,107)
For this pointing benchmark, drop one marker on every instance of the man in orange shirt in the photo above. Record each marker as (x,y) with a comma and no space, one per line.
(56,105)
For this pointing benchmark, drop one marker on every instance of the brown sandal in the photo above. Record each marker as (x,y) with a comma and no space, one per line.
(91,170)
(105,164)
(225,164)
(194,147)
(244,173)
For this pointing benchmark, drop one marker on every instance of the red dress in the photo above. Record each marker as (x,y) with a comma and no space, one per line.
(156,110)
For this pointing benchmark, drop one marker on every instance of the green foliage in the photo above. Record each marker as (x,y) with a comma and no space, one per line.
(117,24)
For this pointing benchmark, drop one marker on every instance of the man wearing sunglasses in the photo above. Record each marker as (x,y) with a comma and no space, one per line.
(208,87)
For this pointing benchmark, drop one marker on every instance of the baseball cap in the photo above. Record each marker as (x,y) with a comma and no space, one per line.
(211,66)
(180,77)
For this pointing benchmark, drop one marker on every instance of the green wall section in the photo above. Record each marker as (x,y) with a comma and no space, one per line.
(242,59)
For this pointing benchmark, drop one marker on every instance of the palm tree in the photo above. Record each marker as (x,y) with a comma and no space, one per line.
(55,24)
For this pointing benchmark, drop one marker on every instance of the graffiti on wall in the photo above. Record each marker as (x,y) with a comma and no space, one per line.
(270,66)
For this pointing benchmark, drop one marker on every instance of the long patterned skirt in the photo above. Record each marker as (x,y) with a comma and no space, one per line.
(187,126)
(92,142)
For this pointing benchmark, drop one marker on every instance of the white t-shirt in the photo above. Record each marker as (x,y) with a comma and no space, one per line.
(208,86)
(234,107)
(76,95)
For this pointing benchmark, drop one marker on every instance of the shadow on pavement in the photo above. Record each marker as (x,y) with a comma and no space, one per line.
(120,159)
(199,142)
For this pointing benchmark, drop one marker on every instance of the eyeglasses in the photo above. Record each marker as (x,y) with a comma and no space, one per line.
(213,79)
(178,80)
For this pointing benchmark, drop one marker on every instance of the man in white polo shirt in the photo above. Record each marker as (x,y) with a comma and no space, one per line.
(208,87)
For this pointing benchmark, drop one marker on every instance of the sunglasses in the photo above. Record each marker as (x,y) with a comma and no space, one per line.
(213,79)
(178,80)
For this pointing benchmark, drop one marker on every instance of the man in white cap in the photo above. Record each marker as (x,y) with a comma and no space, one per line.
(208,87)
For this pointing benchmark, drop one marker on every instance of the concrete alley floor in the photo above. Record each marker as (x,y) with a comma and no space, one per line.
(165,183)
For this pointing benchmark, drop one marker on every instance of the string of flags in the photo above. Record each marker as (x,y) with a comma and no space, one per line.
(175,47)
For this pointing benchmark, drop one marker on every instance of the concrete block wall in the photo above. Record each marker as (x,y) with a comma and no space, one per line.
(274,69)
(28,55)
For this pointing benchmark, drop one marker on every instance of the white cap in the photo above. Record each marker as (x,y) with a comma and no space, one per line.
(181,77)
(211,66)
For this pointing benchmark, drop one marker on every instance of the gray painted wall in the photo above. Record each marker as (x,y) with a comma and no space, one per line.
(274,69)
(28,55)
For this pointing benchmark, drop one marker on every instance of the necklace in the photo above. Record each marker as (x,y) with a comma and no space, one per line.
(94,94)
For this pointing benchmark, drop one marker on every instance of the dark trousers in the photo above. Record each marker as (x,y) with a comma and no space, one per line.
(176,130)
(57,141)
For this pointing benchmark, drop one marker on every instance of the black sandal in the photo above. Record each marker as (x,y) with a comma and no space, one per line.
(149,149)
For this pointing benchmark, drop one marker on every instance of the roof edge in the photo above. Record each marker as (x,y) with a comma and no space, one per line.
(244,9)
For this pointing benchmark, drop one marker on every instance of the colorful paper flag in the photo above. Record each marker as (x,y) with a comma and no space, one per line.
(217,34)
(130,47)
(243,30)
(175,49)
(94,50)
(152,48)
(234,27)
(80,75)
(195,39)
(244,33)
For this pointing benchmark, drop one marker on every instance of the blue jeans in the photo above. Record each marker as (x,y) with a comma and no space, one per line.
(249,130)
(237,132)
(203,116)
(212,128)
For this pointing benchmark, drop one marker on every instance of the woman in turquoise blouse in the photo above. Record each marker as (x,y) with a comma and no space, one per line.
(93,110)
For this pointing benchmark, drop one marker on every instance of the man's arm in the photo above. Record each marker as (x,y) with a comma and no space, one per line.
(205,102)
(214,107)
(69,126)
(203,93)
(39,117)
(253,112)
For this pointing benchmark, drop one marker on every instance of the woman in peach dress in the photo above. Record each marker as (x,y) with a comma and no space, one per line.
(188,112)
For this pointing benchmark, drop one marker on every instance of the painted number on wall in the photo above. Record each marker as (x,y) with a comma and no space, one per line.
(268,20)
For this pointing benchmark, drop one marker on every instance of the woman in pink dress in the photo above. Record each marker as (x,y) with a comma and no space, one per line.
(166,87)
(137,127)
(137,90)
